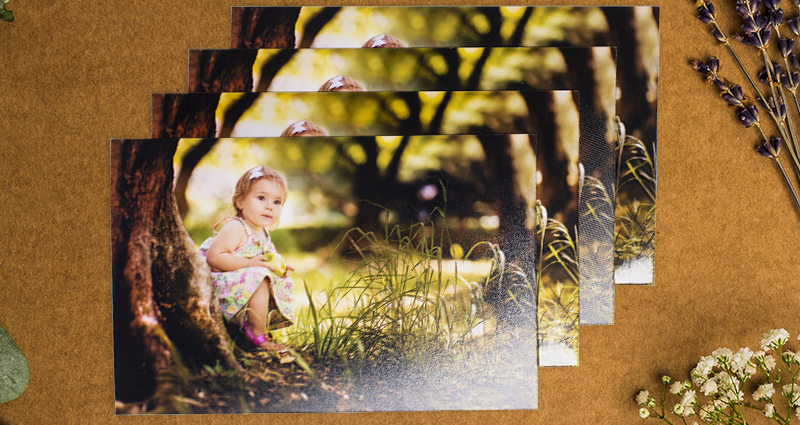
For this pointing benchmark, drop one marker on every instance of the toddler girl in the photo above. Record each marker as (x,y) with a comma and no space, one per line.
(249,288)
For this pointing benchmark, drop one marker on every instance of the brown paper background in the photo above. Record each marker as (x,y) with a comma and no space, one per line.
(75,74)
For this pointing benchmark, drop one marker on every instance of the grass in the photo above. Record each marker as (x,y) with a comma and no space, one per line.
(636,201)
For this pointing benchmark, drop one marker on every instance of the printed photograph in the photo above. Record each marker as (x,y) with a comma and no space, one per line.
(592,70)
(329,274)
(635,30)
(552,115)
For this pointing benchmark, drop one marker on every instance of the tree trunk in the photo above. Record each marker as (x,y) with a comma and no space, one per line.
(263,27)
(166,317)
(634,107)
(514,238)
(551,158)
(195,118)
(217,71)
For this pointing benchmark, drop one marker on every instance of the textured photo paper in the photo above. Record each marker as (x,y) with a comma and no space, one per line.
(401,290)
(591,70)
(552,115)
(633,29)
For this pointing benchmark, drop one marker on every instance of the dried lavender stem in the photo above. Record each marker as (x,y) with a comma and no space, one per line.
(770,79)
(790,143)
(739,62)
(752,83)
(785,177)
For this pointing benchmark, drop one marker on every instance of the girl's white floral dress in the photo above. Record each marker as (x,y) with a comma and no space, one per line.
(234,288)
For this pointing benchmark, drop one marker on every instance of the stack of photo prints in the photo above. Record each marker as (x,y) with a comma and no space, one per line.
(384,208)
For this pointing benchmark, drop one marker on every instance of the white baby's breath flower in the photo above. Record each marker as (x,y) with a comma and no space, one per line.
(689,398)
(666,380)
(726,381)
(710,387)
(642,397)
(697,378)
(676,387)
(722,355)
(797,358)
(644,413)
(788,357)
(740,359)
(769,362)
(797,412)
(764,392)
(678,409)
(705,365)
(769,410)
(749,371)
(774,338)
(758,356)
(792,393)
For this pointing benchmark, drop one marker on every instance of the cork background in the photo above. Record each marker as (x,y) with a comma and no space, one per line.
(75,74)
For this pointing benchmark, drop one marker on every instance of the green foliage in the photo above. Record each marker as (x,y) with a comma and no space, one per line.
(6,14)
(14,372)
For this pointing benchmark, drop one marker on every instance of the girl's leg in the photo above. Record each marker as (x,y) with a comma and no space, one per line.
(261,303)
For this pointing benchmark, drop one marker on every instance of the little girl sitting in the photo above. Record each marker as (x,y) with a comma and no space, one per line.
(251,291)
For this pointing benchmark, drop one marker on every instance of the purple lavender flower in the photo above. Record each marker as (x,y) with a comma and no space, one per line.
(794,25)
(778,108)
(700,67)
(775,17)
(734,96)
(770,149)
(790,80)
(786,45)
(793,59)
(713,64)
(742,9)
(748,116)
(772,4)
(718,35)
(706,12)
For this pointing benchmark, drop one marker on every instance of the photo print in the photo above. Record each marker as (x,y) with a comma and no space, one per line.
(400,268)
(592,70)
(551,115)
(633,29)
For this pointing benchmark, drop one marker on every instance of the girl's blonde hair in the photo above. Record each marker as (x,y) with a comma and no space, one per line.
(253,175)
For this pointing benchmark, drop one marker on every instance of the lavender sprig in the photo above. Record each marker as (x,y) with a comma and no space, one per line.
(760,21)
(771,149)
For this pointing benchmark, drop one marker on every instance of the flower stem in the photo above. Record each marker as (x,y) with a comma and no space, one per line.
(785,177)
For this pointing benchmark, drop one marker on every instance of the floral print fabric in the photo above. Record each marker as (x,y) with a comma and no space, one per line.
(234,288)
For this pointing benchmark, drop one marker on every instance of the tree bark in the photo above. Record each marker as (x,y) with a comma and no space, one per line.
(636,110)
(188,119)
(263,28)
(551,159)
(217,71)
(166,317)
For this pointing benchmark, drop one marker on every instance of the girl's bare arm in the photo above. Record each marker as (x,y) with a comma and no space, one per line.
(220,253)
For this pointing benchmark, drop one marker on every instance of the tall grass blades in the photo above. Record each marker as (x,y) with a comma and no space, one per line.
(558,314)
(635,224)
